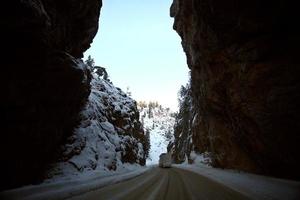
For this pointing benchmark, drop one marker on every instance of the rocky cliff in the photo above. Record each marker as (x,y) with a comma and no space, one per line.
(245,86)
(43,82)
(108,136)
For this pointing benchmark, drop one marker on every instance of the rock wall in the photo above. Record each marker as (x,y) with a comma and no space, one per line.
(244,62)
(43,82)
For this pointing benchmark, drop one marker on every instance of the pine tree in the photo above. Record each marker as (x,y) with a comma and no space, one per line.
(101,71)
(147,143)
(182,128)
(128,92)
(90,62)
(150,112)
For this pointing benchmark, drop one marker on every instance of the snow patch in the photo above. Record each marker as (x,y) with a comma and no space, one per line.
(252,185)
(68,188)
(203,158)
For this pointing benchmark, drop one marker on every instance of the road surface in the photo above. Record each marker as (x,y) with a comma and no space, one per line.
(164,184)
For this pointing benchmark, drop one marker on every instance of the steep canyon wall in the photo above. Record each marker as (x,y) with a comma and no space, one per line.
(245,81)
(44,84)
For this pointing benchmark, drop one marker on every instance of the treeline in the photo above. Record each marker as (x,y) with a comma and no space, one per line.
(183,144)
(150,104)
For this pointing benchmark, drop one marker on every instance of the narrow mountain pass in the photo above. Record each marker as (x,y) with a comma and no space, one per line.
(159,183)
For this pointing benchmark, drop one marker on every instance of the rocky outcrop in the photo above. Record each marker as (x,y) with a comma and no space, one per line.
(44,84)
(109,134)
(245,85)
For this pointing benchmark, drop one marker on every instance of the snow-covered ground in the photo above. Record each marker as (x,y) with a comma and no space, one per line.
(252,185)
(159,122)
(93,156)
(62,189)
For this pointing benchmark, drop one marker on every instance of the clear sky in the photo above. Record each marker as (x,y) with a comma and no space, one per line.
(140,50)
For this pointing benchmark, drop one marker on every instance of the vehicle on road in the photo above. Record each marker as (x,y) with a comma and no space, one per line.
(165,160)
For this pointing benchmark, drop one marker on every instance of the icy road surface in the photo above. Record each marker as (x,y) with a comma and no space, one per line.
(184,181)
(171,183)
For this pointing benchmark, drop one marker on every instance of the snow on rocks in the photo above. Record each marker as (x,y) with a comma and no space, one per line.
(109,135)
(107,147)
(203,158)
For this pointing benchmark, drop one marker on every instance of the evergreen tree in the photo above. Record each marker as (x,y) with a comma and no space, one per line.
(182,128)
(128,92)
(160,107)
(142,104)
(101,72)
(147,143)
(150,113)
(90,62)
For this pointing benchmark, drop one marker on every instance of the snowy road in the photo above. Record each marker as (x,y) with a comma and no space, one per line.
(172,183)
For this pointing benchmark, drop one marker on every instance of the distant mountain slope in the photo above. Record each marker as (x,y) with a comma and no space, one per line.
(158,124)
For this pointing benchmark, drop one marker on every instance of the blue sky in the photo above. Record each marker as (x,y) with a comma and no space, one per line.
(140,50)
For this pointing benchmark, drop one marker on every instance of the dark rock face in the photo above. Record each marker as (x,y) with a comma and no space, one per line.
(43,84)
(244,62)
